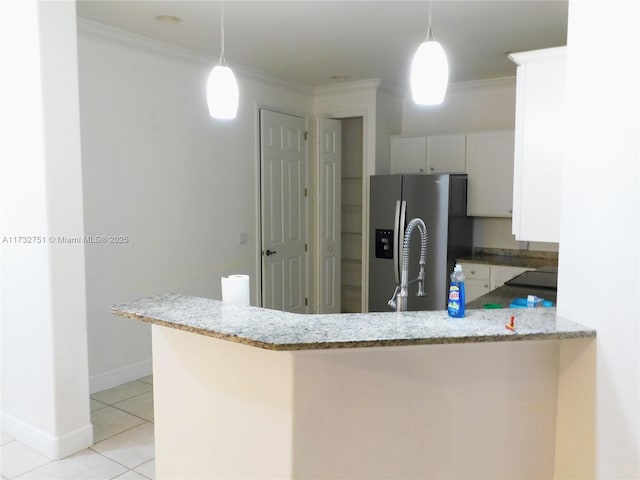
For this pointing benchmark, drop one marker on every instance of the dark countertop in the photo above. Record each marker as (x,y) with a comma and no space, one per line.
(505,295)
(512,258)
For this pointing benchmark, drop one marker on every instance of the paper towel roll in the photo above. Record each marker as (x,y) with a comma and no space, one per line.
(235,289)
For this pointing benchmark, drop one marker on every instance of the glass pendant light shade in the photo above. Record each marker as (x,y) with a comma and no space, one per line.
(222,87)
(222,93)
(429,74)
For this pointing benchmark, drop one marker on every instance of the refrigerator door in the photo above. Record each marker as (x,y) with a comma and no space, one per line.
(385,191)
(427,197)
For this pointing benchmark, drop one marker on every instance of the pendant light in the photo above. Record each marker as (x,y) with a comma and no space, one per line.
(429,71)
(222,88)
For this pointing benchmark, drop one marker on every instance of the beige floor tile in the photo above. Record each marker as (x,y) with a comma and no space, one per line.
(84,465)
(148,379)
(4,438)
(131,475)
(96,405)
(110,421)
(121,392)
(148,469)
(131,448)
(17,459)
(140,406)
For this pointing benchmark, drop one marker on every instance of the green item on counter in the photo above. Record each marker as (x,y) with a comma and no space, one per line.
(492,306)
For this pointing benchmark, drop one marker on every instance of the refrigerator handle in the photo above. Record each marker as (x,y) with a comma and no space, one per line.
(398,237)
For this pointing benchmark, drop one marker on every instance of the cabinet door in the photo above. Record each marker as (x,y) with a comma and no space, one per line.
(475,288)
(539,149)
(408,155)
(501,274)
(490,169)
(477,280)
(446,153)
(476,271)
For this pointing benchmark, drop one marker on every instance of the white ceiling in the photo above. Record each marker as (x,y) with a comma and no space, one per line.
(309,42)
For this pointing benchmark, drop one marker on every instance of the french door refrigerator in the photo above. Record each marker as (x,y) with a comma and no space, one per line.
(441,202)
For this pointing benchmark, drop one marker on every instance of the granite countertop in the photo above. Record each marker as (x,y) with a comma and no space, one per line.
(512,258)
(276,330)
(504,295)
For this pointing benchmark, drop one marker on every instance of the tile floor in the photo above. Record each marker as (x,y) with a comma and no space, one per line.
(123,433)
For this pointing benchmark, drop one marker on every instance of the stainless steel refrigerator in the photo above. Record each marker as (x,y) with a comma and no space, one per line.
(441,202)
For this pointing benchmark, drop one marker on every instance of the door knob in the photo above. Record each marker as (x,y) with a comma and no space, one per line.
(270,252)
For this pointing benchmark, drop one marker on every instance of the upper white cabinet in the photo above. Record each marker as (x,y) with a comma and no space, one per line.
(539,144)
(433,154)
(446,153)
(408,155)
(490,169)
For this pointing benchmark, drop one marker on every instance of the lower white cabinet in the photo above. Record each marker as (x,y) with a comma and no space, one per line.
(501,274)
(482,278)
(477,280)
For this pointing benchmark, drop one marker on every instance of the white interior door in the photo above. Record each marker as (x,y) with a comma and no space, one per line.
(329,231)
(283,179)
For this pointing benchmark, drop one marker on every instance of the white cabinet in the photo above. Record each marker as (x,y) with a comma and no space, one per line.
(446,153)
(501,274)
(539,147)
(481,278)
(433,154)
(408,155)
(477,281)
(490,169)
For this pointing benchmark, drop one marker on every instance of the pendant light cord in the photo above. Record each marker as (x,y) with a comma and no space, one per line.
(429,31)
(223,60)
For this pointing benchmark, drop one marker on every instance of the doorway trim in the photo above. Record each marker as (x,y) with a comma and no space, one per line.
(368,167)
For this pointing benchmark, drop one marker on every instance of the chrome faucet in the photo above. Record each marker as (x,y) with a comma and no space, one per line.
(401,294)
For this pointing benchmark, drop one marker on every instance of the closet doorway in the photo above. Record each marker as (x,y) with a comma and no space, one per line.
(352,208)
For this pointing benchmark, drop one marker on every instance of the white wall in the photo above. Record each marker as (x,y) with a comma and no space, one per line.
(157,169)
(599,274)
(45,394)
(470,107)
(467,107)
(388,122)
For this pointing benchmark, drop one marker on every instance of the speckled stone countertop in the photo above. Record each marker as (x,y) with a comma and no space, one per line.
(506,294)
(512,258)
(276,330)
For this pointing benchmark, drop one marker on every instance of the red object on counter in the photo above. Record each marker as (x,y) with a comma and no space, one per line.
(512,324)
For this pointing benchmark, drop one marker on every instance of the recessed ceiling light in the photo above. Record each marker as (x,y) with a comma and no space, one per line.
(168,19)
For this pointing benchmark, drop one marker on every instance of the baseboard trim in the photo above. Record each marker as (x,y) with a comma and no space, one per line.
(116,377)
(53,446)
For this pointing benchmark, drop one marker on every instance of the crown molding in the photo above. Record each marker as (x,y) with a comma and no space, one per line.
(347,87)
(106,33)
(482,84)
(543,53)
(113,35)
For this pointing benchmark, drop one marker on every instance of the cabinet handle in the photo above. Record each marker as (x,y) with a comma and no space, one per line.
(473,272)
(486,285)
(432,169)
(511,210)
(422,169)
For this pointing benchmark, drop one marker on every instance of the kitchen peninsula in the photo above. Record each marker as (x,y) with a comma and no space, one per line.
(245,392)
